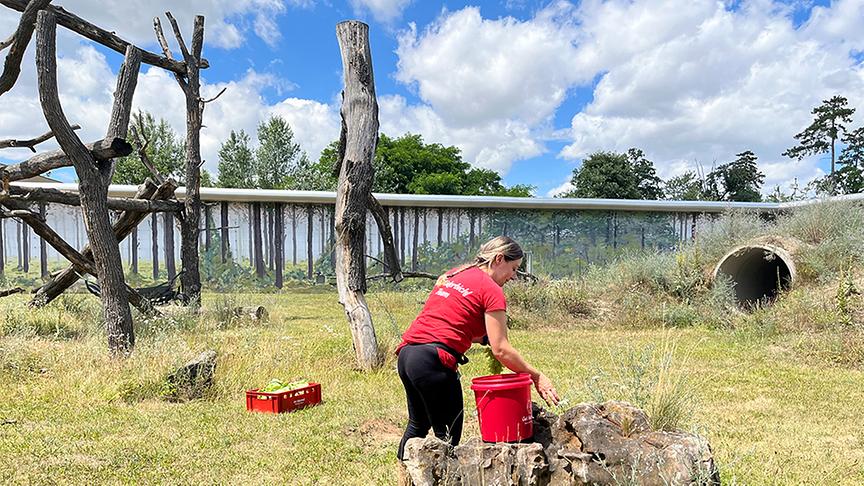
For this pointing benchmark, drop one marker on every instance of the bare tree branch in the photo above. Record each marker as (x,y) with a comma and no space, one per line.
(102,36)
(214,98)
(142,152)
(391,259)
(160,36)
(19,41)
(177,35)
(26,194)
(8,42)
(33,142)
(99,150)
(381,276)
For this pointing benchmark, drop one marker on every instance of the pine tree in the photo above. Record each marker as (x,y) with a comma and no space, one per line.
(822,135)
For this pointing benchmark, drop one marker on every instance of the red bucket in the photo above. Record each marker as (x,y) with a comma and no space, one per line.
(504,407)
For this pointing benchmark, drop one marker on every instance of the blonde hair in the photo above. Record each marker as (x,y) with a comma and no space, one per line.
(500,245)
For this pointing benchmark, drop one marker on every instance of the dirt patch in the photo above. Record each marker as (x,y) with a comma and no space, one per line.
(377,433)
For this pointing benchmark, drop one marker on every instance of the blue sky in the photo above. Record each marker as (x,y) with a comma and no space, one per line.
(526,88)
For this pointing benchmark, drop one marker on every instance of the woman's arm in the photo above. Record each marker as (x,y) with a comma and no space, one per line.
(496,329)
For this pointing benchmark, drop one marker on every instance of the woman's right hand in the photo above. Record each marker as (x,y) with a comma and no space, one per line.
(546,389)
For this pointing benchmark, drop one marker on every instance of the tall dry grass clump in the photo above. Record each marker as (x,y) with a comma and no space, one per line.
(652,378)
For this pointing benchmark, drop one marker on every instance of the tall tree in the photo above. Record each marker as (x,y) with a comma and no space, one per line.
(650,186)
(277,154)
(164,149)
(738,180)
(236,162)
(685,187)
(850,176)
(612,175)
(821,136)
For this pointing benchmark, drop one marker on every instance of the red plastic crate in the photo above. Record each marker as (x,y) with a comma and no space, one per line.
(289,401)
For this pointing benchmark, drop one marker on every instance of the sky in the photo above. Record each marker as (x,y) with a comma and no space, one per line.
(526,88)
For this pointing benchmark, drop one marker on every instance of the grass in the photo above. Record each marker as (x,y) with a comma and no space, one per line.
(73,415)
(776,390)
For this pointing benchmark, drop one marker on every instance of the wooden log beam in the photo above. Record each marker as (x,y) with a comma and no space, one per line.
(124,225)
(105,149)
(41,228)
(56,196)
(32,142)
(102,36)
(19,41)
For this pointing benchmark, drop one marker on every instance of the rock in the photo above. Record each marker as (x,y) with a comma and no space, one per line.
(255,313)
(429,462)
(191,380)
(604,444)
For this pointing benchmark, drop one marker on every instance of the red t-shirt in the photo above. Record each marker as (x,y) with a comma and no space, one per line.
(454,312)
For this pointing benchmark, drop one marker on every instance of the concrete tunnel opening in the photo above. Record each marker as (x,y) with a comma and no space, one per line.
(758,273)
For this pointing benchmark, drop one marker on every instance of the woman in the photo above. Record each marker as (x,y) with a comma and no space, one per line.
(466,306)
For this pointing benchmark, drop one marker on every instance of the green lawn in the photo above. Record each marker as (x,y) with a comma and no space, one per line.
(72,415)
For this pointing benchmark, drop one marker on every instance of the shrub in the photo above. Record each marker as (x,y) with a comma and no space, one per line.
(648,378)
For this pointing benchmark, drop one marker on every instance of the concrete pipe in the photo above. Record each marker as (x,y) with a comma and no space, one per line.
(758,272)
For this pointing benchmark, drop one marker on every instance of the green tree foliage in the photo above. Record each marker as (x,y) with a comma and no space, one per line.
(850,176)
(738,180)
(277,163)
(164,149)
(821,136)
(685,187)
(795,193)
(207,179)
(277,154)
(650,186)
(236,162)
(611,175)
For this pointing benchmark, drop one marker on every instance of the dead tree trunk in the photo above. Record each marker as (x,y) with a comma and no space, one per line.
(190,83)
(25,247)
(18,247)
(279,249)
(223,221)
(391,258)
(440,225)
(256,228)
(154,244)
(133,250)
(332,239)
(309,215)
(208,227)
(359,132)
(271,237)
(2,248)
(294,235)
(414,240)
(168,226)
(402,236)
(94,177)
(43,246)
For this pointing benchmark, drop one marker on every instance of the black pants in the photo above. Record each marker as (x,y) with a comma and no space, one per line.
(434,395)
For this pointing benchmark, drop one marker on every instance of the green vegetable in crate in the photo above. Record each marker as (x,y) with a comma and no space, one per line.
(277,386)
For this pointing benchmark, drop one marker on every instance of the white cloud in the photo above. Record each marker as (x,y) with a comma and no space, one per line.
(493,145)
(700,82)
(473,70)
(385,11)
(566,186)
(227,22)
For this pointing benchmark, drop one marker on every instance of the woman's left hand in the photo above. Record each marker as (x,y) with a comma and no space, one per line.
(546,389)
